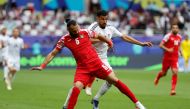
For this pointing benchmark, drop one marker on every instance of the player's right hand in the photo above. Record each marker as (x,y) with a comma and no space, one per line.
(170,50)
(37,68)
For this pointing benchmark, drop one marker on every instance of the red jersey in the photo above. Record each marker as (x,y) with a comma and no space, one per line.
(171,41)
(82,49)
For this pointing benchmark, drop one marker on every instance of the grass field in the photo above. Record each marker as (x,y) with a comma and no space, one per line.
(48,89)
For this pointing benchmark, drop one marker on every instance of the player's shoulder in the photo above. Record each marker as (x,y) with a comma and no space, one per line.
(85,31)
(11,38)
(19,38)
(66,36)
(168,34)
(179,35)
(110,27)
(93,26)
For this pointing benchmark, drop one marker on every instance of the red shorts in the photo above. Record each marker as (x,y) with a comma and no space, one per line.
(166,64)
(84,76)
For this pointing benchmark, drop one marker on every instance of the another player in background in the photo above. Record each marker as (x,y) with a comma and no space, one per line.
(101,27)
(170,44)
(185,50)
(15,44)
(89,64)
(3,51)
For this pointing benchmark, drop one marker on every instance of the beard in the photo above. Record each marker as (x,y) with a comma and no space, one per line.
(73,35)
(103,26)
(175,32)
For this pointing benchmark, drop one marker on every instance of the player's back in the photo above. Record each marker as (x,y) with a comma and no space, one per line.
(82,49)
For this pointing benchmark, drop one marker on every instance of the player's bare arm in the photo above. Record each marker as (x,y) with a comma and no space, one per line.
(93,40)
(104,39)
(47,60)
(134,41)
(165,48)
(26,46)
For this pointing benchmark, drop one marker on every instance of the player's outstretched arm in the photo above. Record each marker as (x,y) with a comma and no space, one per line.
(104,39)
(47,60)
(93,40)
(134,41)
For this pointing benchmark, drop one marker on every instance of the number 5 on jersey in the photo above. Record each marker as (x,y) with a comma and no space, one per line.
(77,41)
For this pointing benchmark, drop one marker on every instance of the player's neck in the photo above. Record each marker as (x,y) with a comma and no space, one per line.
(15,37)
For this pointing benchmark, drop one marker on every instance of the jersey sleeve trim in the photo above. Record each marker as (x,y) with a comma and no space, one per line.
(166,37)
(60,43)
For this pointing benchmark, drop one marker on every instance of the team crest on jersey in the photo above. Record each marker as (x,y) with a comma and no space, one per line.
(81,36)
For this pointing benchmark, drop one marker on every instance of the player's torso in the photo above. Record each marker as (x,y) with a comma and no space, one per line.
(81,48)
(186,46)
(14,47)
(173,42)
(101,47)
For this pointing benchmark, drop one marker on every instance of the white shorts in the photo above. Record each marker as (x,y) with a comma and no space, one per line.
(14,64)
(105,61)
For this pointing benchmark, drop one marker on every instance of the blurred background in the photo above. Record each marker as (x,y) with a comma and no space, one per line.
(42,23)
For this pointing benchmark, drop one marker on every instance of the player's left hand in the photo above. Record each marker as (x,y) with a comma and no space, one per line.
(149,44)
(36,68)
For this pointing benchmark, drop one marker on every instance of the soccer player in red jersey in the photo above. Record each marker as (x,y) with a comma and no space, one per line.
(170,44)
(89,64)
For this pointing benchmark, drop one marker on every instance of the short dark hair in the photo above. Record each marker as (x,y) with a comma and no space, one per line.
(102,13)
(70,22)
(173,24)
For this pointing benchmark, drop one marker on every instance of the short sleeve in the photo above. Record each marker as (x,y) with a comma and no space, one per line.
(60,43)
(116,32)
(22,44)
(166,37)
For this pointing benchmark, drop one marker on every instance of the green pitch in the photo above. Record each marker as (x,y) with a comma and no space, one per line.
(48,89)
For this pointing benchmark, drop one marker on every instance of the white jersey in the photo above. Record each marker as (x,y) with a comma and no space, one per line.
(4,50)
(109,32)
(14,48)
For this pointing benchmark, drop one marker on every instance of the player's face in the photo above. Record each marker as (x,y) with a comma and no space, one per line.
(175,29)
(74,30)
(4,31)
(102,21)
(16,33)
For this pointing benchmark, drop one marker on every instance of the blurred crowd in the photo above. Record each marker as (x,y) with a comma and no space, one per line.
(148,21)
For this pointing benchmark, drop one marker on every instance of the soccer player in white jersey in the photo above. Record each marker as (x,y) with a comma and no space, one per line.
(15,44)
(101,27)
(3,50)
